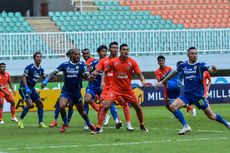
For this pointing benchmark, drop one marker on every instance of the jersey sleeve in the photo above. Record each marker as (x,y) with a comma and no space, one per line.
(100,65)
(8,79)
(42,72)
(157,75)
(27,70)
(60,67)
(179,68)
(136,68)
(204,66)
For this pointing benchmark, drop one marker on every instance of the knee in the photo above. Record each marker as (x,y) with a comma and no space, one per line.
(106,106)
(12,103)
(172,107)
(40,105)
(30,106)
(212,116)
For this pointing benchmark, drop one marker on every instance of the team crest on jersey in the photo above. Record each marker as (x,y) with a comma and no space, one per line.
(195,67)
(77,67)
(128,68)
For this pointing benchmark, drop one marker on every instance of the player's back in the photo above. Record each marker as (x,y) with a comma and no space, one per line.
(174,86)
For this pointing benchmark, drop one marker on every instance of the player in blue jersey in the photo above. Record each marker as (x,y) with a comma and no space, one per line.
(27,91)
(192,73)
(57,106)
(94,87)
(73,70)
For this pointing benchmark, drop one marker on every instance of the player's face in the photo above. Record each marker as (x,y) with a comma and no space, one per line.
(124,52)
(192,55)
(161,62)
(2,68)
(113,50)
(75,56)
(38,59)
(86,55)
(102,53)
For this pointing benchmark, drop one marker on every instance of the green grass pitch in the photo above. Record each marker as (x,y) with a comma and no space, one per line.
(206,136)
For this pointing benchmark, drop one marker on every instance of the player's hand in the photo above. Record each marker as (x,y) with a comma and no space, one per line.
(91,77)
(44,83)
(214,69)
(159,84)
(143,82)
(28,91)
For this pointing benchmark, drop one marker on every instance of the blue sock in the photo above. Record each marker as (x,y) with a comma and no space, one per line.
(220,119)
(180,117)
(64,118)
(113,111)
(86,108)
(70,113)
(24,112)
(87,122)
(40,115)
(56,112)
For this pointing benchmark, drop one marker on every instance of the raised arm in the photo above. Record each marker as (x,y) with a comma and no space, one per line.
(51,75)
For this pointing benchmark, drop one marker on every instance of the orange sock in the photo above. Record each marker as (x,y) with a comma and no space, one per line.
(126,110)
(95,106)
(101,117)
(12,110)
(0,114)
(189,108)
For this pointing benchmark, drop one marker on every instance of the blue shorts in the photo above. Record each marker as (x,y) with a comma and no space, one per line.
(74,98)
(201,102)
(34,96)
(93,92)
(173,93)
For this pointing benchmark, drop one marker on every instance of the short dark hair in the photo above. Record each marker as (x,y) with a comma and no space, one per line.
(84,50)
(113,43)
(36,53)
(2,64)
(191,49)
(160,57)
(178,63)
(123,45)
(101,47)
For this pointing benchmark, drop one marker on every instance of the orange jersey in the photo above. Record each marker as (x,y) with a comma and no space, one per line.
(4,80)
(102,65)
(89,61)
(122,73)
(160,72)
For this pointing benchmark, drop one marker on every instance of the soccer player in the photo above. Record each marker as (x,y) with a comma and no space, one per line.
(57,106)
(27,91)
(5,93)
(74,70)
(192,73)
(95,87)
(122,68)
(160,75)
(107,81)
(207,83)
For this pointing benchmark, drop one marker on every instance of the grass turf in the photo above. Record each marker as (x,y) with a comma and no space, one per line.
(207,136)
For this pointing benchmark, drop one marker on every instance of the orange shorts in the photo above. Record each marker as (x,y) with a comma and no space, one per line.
(104,93)
(127,96)
(7,98)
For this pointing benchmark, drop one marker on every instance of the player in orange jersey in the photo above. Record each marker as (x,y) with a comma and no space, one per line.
(5,93)
(123,67)
(106,82)
(206,83)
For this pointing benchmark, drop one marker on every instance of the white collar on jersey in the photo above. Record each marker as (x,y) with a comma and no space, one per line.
(74,63)
(37,67)
(192,63)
